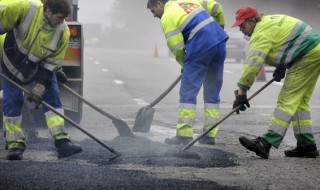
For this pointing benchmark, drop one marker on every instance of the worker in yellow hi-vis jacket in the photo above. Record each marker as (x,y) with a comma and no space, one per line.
(288,44)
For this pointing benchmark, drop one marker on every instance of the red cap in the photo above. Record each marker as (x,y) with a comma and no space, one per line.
(244,13)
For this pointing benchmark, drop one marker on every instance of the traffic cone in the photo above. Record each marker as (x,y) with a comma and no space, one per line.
(262,75)
(155,51)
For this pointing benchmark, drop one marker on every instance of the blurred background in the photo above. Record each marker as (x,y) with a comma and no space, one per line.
(129,24)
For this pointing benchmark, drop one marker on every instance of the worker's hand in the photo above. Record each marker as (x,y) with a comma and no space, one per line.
(181,70)
(241,100)
(279,74)
(36,93)
(61,76)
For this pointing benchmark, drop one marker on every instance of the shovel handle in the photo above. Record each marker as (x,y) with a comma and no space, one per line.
(60,114)
(157,100)
(225,117)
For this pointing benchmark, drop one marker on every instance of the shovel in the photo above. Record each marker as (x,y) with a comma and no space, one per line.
(145,114)
(121,126)
(225,117)
(117,154)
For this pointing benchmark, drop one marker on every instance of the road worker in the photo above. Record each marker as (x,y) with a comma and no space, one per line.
(288,44)
(36,40)
(199,46)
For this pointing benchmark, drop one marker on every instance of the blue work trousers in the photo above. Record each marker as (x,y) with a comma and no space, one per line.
(12,99)
(206,70)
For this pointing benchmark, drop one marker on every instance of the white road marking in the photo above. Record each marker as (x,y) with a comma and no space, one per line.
(118,82)
(140,101)
(105,70)
(227,71)
(97,62)
(278,83)
(91,58)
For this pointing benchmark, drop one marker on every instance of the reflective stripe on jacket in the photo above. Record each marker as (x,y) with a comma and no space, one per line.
(277,40)
(32,45)
(189,28)
(215,10)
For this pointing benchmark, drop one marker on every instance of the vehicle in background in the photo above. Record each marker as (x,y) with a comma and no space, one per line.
(237,46)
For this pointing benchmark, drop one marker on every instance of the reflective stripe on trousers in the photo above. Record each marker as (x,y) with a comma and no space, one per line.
(212,113)
(12,103)
(293,101)
(187,114)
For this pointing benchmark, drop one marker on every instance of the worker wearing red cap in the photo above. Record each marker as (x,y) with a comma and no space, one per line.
(291,46)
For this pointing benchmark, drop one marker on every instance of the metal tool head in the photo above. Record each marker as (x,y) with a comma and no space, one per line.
(116,157)
(143,120)
(122,128)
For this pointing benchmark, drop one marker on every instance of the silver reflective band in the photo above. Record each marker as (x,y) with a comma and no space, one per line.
(215,8)
(302,129)
(13,137)
(199,26)
(176,47)
(188,121)
(50,113)
(278,129)
(187,106)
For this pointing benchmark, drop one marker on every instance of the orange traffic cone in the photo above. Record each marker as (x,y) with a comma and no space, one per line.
(262,75)
(155,51)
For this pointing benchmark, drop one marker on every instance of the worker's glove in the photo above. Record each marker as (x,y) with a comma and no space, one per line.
(61,76)
(181,70)
(36,93)
(279,74)
(241,100)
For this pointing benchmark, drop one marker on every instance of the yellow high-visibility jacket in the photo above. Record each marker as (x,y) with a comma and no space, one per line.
(215,10)
(33,49)
(189,29)
(277,40)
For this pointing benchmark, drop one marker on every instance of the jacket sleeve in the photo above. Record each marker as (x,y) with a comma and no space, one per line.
(256,59)
(173,35)
(214,9)
(11,13)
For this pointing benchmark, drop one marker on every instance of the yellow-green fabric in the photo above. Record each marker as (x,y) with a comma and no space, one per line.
(14,134)
(187,114)
(55,125)
(33,33)
(277,40)
(215,10)
(212,114)
(293,101)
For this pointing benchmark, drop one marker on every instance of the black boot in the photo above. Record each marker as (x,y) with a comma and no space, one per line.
(15,154)
(178,140)
(207,140)
(260,146)
(309,151)
(66,148)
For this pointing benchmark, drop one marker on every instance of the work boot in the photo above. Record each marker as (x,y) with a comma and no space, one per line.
(309,151)
(178,140)
(260,146)
(66,148)
(15,154)
(207,140)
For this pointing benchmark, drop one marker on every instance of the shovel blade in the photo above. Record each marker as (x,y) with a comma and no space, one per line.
(122,128)
(143,120)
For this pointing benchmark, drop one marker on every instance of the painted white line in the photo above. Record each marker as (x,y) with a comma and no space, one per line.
(227,71)
(278,83)
(91,58)
(105,70)
(118,82)
(97,62)
(140,101)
